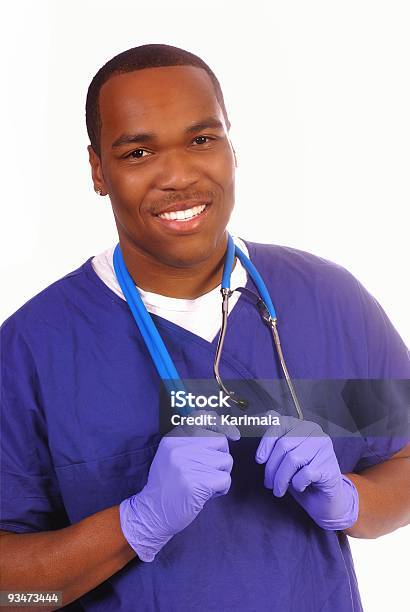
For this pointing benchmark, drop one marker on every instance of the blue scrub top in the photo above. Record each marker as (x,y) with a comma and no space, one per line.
(80,428)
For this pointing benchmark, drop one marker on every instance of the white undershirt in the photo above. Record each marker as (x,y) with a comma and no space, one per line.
(201,316)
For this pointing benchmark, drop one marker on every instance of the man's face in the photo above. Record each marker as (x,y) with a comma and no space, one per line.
(164,146)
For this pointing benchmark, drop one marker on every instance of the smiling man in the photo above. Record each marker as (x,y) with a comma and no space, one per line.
(96,503)
(165,159)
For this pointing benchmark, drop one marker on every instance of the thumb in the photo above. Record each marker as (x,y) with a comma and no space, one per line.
(228,429)
(268,440)
(264,448)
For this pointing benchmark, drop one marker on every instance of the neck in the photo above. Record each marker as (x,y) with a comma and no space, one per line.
(185,282)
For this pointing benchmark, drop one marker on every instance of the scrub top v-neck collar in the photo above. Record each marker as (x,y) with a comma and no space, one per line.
(165,323)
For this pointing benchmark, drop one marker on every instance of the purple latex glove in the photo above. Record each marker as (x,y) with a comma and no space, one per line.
(191,465)
(300,458)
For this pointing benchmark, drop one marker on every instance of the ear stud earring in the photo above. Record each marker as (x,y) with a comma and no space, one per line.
(97,190)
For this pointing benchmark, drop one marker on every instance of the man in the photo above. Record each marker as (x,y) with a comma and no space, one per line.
(96,503)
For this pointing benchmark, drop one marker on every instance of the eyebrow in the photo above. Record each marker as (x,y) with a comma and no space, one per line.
(124,139)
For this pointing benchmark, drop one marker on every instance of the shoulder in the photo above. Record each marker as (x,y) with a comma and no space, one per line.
(49,306)
(298,267)
(325,292)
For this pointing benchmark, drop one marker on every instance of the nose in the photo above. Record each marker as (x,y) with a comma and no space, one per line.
(176,171)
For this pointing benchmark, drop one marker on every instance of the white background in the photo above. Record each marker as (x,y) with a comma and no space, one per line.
(318,95)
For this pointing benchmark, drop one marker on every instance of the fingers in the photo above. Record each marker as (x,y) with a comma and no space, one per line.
(293,454)
(289,428)
(196,441)
(305,477)
(207,423)
(212,471)
(283,452)
(217,425)
(272,435)
(218,461)
(220,483)
(291,462)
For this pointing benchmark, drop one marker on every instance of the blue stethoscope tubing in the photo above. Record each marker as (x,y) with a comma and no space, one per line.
(155,345)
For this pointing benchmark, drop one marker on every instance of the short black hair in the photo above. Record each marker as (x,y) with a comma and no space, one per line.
(138,58)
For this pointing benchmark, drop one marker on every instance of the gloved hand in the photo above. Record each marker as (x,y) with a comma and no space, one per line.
(300,457)
(191,465)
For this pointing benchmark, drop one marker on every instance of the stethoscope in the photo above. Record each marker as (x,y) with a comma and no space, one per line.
(156,347)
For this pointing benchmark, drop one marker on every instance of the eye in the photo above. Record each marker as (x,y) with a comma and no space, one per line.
(200,140)
(137,154)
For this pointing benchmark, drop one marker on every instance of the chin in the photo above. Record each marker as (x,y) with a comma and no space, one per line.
(187,254)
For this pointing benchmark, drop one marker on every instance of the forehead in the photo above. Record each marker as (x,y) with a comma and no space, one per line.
(154,98)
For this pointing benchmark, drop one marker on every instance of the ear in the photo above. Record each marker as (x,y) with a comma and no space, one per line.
(96,171)
(234,154)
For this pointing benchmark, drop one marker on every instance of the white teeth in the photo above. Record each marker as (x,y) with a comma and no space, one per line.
(182,215)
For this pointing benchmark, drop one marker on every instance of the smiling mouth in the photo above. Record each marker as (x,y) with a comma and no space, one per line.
(183,215)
